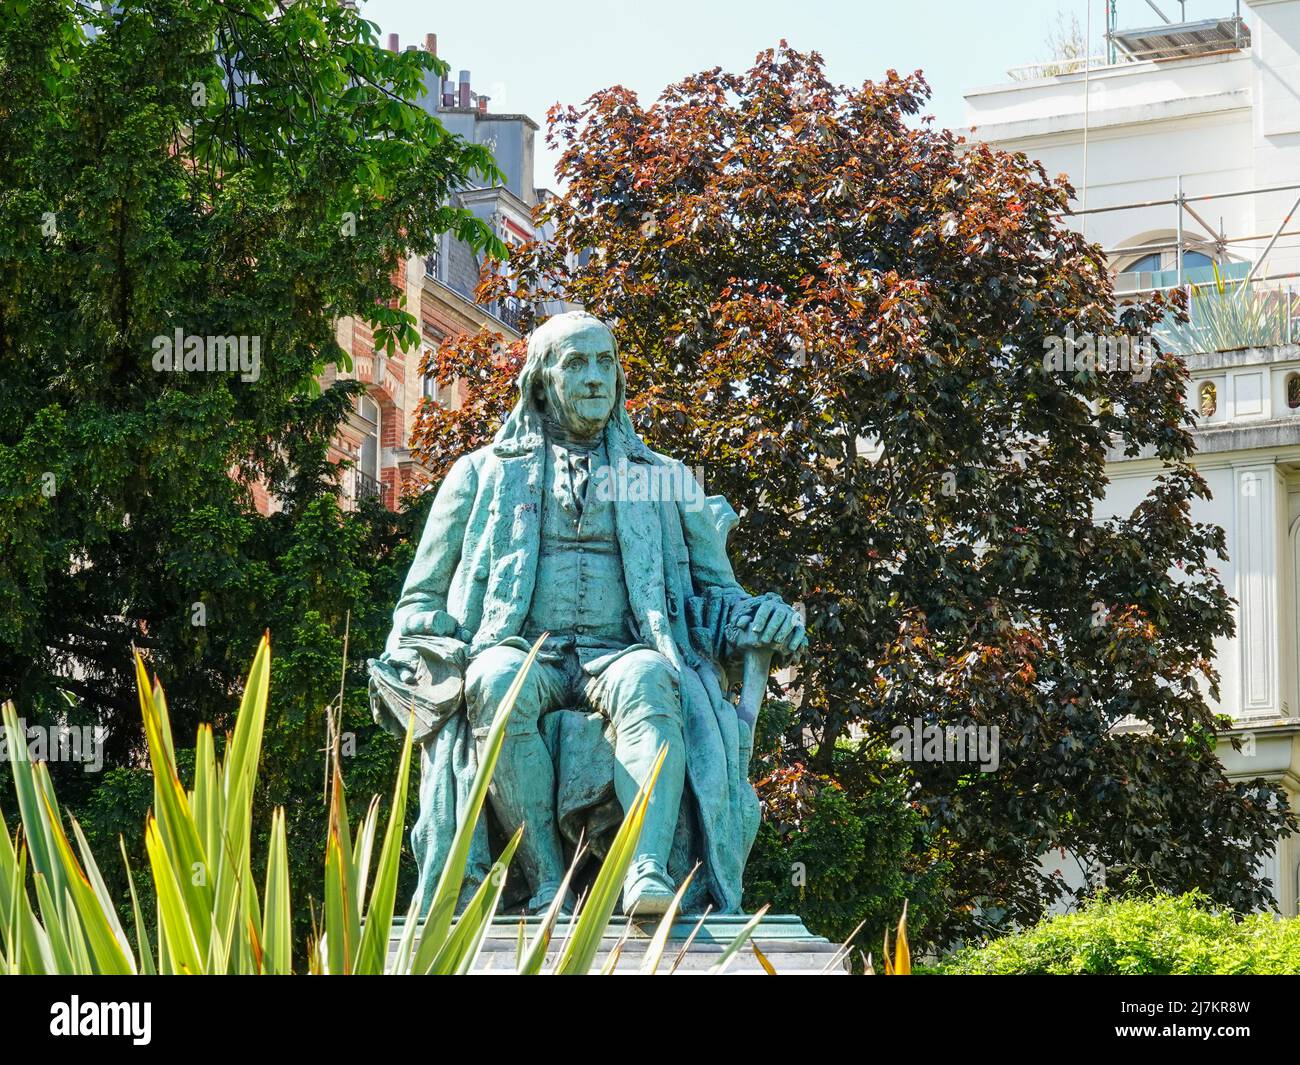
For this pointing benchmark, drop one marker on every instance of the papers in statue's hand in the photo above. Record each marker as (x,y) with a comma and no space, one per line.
(433,694)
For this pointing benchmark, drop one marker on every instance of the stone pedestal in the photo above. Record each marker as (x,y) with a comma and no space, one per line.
(784,941)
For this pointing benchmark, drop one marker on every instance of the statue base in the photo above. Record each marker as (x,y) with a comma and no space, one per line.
(783,940)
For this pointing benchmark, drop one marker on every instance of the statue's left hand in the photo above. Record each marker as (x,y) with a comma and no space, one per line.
(430,623)
(773,625)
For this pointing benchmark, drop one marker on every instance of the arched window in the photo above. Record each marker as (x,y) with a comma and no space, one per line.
(1146,265)
(1209,400)
(1293,391)
(1154,262)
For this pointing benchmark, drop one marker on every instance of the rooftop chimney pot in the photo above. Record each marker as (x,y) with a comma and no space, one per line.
(431,43)
(392,42)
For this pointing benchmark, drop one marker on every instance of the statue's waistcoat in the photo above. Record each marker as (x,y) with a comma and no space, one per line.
(580,588)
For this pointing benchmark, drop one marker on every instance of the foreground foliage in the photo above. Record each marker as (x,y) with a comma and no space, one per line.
(211,916)
(840,315)
(1162,935)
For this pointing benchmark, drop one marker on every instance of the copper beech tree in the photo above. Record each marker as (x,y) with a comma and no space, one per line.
(840,312)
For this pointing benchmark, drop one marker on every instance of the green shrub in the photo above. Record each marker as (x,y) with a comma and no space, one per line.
(841,850)
(1160,935)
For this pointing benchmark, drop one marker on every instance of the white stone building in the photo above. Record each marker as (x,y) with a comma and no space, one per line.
(1208,111)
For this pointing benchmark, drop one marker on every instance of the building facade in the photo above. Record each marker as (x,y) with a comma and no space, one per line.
(1183,145)
(439,290)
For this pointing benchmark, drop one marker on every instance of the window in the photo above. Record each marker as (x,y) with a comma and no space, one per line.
(428,360)
(1148,264)
(366,473)
(1293,391)
(432,262)
(1154,262)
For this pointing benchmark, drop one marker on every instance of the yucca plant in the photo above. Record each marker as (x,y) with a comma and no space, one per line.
(1227,316)
(211,917)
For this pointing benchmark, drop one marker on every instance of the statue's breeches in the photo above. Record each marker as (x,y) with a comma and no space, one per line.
(638,685)
(637,693)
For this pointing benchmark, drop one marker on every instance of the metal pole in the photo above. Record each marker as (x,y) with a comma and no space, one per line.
(1152,5)
(1190,199)
(1087,99)
(1264,255)
(1209,229)
(1179,251)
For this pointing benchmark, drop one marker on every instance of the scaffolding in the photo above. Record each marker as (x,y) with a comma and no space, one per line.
(1159,43)
(1241,296)
(1254,303)
(1174,40)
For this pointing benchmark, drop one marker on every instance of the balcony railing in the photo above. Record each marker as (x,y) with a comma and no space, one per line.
(1051,68)
(512,312)
(365,487)
(1194,276)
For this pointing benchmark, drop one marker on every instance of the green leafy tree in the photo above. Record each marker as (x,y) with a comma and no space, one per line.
(841,314)
(244,169)
(846,850)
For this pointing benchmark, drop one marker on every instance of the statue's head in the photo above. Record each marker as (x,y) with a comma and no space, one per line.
(572,377)
(576,378)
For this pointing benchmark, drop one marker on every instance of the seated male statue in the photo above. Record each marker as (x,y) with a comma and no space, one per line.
(563,526)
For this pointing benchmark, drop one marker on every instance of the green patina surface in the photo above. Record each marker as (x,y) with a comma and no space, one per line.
(569,524)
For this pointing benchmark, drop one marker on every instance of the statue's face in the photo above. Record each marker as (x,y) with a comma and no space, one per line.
(582,379)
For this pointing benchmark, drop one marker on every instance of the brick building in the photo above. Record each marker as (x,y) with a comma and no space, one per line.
(439,291)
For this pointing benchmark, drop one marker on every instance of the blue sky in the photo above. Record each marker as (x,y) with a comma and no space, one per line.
(529,55)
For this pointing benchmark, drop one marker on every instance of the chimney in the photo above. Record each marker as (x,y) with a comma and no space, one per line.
(448,93)
(482,104)
(431,43)
(463,92)
(392,42)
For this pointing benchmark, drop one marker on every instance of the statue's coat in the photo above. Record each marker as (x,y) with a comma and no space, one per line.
(477,561)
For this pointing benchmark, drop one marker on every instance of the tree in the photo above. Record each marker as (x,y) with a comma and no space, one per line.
(239,171)
(841,314)
(845,851)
